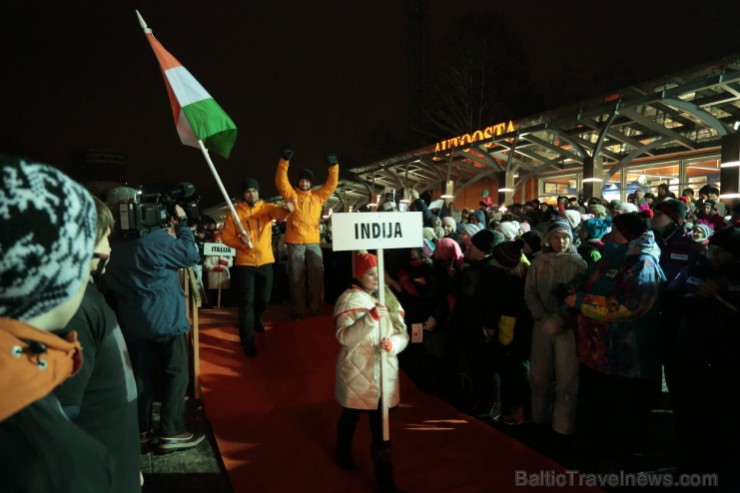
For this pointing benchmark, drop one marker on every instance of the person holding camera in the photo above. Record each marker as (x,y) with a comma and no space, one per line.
(252,272)
(143,282)
(302,237)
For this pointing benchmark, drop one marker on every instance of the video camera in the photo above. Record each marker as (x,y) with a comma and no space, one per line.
(139,213)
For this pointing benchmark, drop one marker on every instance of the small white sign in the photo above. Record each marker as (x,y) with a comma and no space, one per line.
(376,230)
(218,249)
(417,333)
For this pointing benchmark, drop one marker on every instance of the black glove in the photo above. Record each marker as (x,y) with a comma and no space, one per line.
(287,152)
(331,158)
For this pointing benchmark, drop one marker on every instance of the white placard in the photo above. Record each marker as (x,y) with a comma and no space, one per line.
(218,249)
(376,230)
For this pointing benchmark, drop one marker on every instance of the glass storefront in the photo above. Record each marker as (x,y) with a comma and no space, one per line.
(643,177)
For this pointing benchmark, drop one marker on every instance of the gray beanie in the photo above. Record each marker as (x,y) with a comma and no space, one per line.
(556,225)
(47,235)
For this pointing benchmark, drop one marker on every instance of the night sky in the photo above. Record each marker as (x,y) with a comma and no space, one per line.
(322,75)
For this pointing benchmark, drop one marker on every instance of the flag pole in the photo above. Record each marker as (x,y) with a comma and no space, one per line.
(383,353)
(224,193)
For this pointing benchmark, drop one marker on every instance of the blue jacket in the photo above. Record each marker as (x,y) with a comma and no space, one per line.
(142,277)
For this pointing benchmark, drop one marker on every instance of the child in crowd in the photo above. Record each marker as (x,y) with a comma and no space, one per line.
(360,318)
(554,362)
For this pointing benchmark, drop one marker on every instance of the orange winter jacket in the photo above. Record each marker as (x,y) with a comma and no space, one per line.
(257,220)
(303,223)
(27,376)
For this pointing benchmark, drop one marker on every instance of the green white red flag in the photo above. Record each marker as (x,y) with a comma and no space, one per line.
(197,115)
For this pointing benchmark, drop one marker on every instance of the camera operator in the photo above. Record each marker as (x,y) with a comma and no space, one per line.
(143,282)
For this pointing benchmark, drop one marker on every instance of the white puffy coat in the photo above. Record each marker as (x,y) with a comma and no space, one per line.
(218,278)
(358,364)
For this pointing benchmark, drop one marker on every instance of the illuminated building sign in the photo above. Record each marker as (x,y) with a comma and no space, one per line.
(486,133)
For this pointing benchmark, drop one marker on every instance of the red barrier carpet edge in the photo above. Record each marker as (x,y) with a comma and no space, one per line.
(274,419)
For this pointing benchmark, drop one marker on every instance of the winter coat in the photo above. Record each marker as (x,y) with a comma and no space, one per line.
(142,277)
(618,329)
(41,449)
(257,221)
(677,250)
(218,267)
(358,364)
(548,270)
(707,328)
(303,223)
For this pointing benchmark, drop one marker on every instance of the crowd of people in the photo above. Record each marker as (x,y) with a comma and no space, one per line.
(566,316)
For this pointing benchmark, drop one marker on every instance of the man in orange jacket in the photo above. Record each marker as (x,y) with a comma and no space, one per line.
(252,272)
(302,238)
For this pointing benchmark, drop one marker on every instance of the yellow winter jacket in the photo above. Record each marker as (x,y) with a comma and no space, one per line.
(303,223)
(257,220)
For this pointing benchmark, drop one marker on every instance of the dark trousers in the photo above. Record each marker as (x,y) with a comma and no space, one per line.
(616,409)
(169,355)
(348,423)
(254,286)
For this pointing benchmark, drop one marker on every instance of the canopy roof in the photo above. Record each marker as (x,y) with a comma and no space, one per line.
(680,116)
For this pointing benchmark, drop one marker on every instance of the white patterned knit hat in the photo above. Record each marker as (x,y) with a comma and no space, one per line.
(47,231)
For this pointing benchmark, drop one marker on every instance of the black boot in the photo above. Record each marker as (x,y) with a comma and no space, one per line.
(345,434)
(383,463)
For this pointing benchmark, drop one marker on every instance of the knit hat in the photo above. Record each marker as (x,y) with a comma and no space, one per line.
(428,233)
(597,210)
(596,227)
(574,217)
(481,216)
(427,249)
(727,238)
(556,225)
(484,241)
(706,232)
(508,253)
(47,236)
(448,250)
(248,183)
(363,262)
(532,238)
(510,229)
(305,174)
(450,222)
(524,226)
(471,229)
(631,225)
(675,209)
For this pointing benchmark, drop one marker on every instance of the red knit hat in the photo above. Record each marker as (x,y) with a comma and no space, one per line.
(364,262)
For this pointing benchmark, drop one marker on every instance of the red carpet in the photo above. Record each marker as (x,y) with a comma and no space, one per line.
(274,419)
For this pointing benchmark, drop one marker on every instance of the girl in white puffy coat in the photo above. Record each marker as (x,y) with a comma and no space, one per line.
(357,315)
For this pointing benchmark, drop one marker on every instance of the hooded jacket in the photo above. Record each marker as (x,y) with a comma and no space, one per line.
(618,329)
(257,220)
(40,448)
(303,223)
(358,364)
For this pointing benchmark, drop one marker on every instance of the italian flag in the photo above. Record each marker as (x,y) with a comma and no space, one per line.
(197,115)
